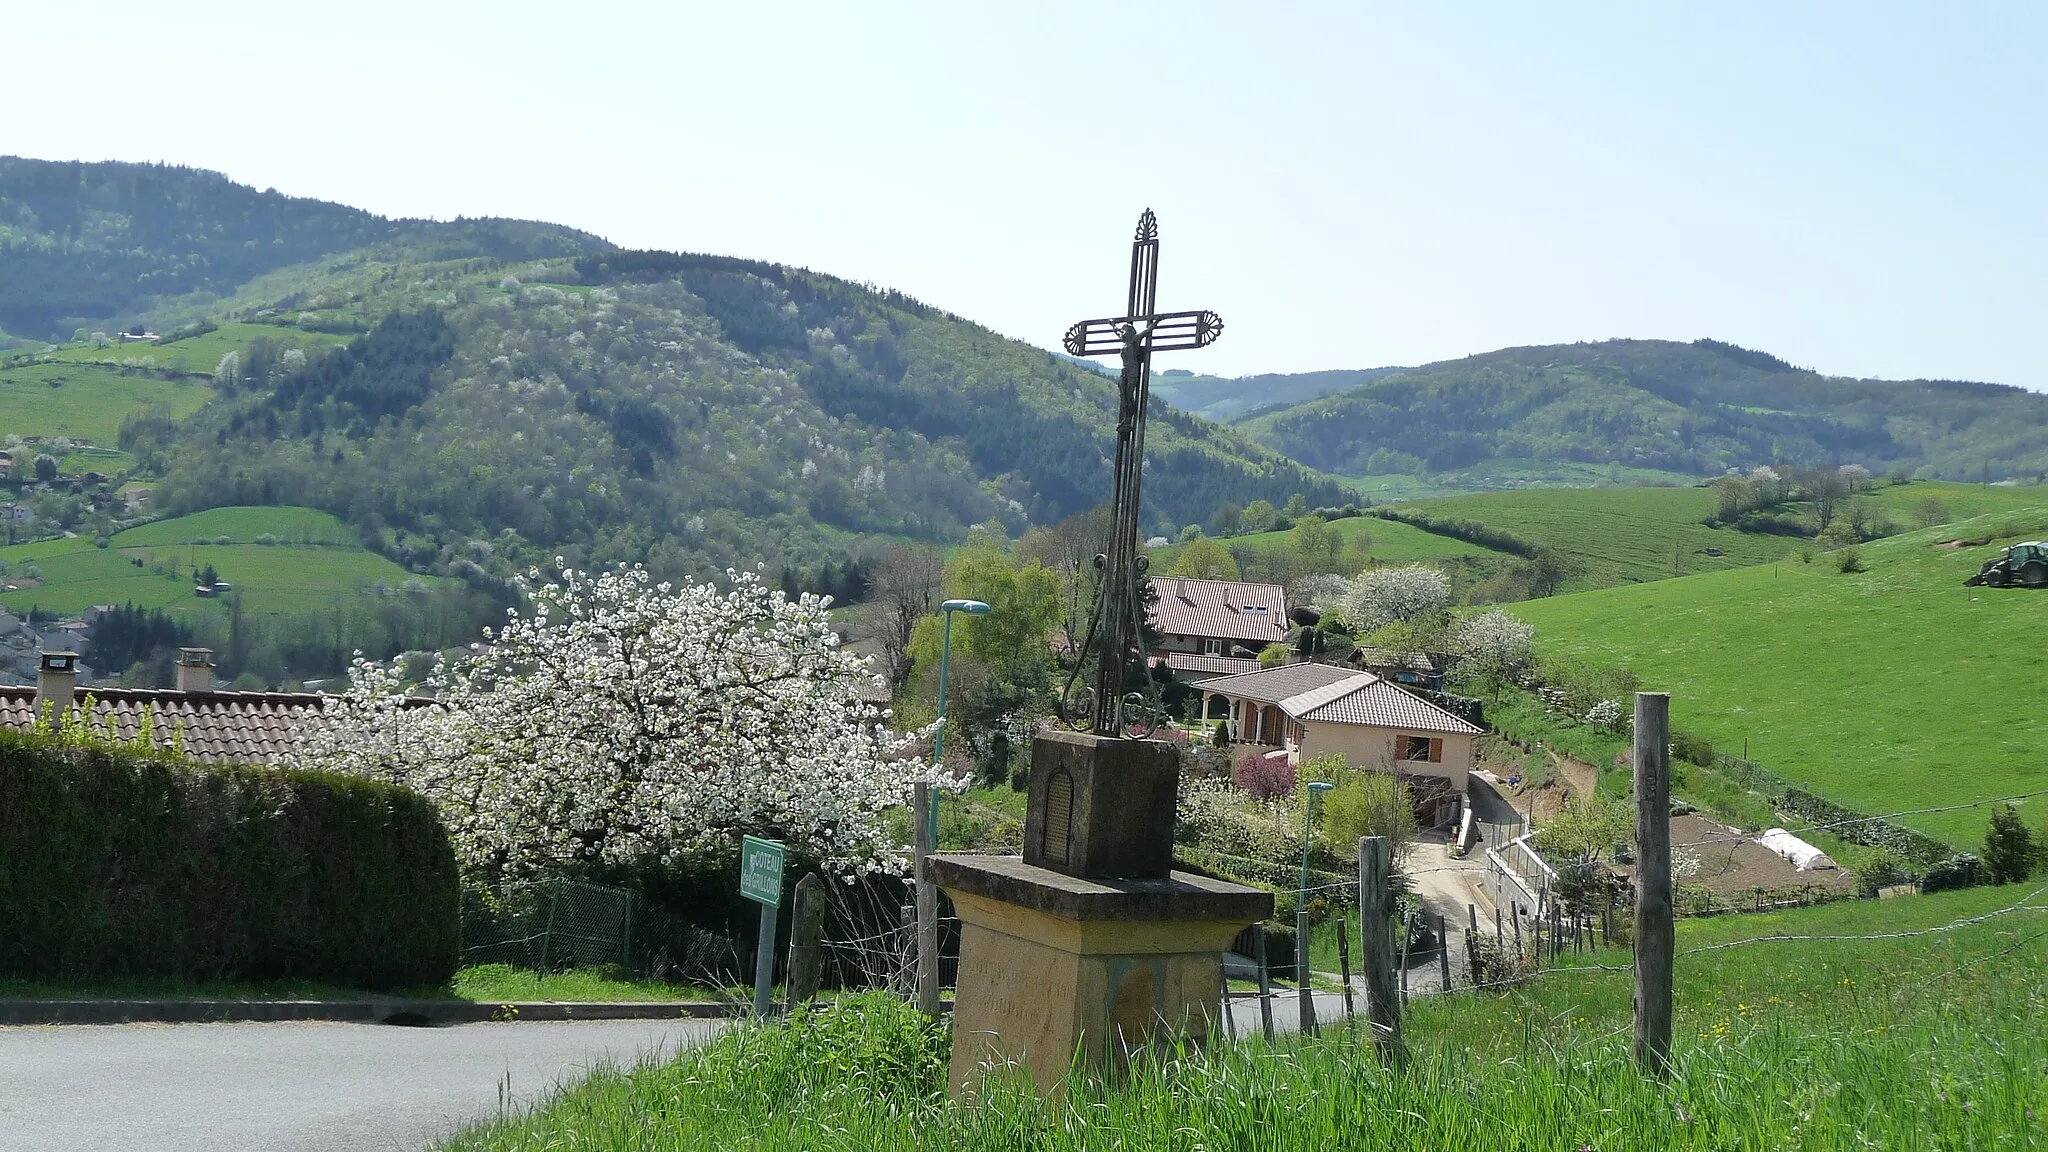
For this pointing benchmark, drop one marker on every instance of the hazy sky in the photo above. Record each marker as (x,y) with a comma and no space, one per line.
(1857,187)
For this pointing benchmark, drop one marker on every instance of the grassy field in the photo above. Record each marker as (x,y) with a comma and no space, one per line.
(86,402)
(201,353)
(1623,534)
(1936,1041)
(293,576)
(1391,542)
(242,525)
(1508,476)
(1891,689)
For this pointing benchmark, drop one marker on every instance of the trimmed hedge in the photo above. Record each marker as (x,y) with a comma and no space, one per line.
(118,863)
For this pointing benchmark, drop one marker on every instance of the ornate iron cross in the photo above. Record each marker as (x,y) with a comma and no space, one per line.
(1116,627)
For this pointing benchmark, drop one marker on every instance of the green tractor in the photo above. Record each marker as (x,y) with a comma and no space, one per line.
(2023,564)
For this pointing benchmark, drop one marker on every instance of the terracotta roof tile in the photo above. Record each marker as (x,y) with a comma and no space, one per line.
(243,727)
(1228,609)
(1211,665)
(1383,705)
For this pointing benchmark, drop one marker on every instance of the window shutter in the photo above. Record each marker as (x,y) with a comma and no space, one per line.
(1436,751)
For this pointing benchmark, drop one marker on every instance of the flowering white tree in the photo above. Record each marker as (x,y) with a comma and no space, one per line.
(1497,646)
(622,720)
(1383,596)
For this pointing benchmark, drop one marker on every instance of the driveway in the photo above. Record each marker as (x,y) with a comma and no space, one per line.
(302,1087)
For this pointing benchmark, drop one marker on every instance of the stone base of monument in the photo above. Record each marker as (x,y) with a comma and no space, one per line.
(1059,970)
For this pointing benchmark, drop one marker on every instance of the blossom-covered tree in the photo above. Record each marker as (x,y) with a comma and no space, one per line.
(623,721)
(1497,647)
(1403,595)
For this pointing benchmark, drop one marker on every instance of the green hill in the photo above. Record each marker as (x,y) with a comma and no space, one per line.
(1696,408)
(1228,398)
(510,393)
(1888,690)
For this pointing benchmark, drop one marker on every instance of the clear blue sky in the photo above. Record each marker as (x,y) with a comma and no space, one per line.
(1857,187)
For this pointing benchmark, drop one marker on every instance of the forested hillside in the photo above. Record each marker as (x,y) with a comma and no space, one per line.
(518,392)
(1230,398)
(1698,408)
(93,244)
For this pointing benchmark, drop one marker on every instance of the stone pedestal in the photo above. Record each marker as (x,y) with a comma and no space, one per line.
(1100,806)
(1057,968)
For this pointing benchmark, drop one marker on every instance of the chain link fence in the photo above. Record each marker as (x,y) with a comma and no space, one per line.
(561,924)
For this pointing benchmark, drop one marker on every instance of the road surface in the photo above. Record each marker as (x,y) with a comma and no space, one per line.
(301,1087)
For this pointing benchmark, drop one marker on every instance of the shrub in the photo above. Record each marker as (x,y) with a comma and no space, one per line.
(120,863)
(2008,846)
(1265,778)
(1692,748)
(1959,871)
(1369,804)
(1883,869)
(1221,737)
(1849,559)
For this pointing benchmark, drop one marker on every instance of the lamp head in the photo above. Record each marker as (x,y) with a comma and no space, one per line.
(971,607)
(1320,785)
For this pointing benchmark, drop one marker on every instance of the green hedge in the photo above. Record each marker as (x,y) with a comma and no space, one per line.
(115,863)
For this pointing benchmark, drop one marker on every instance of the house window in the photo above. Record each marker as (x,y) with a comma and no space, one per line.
(1212,647)
(1422,748)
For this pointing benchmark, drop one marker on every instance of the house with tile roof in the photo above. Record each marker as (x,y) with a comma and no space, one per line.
(213,727)
(1302,711)
(1214,628)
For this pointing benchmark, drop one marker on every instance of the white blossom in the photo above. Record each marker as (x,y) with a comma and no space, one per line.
(1497,642)
(1604,714)
(625,720)
(1383,596)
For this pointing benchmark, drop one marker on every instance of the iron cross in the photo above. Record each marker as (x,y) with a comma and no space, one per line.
(1116,627)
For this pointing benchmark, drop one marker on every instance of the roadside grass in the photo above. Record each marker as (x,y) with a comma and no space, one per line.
(87,402)
(482,983)
(1889,690)
(1937,1041)
(279,578)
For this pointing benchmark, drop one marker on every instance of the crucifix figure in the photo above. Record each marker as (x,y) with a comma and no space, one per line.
(1116,627)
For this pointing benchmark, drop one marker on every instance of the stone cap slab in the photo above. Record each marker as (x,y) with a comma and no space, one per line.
(1181,896)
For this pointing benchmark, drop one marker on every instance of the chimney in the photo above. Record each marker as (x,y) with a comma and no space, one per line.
(195,669)
(56,676)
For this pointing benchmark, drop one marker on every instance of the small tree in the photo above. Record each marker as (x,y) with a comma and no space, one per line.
(46,468)
(1317,542)
(1930,512)
(1273,655)
(2008,846)
(1586,828)
(1258,516)
(1498,648)
(1369,804)
(1205,559)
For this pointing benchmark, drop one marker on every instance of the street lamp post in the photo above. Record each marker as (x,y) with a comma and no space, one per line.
(1303,984)
(926,812)
(972,608)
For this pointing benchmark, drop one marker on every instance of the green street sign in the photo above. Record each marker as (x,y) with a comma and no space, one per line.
(761,870)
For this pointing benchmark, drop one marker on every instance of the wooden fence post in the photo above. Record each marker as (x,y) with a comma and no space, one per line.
(1654,931)
(1443,953)
(806,940)
(1304,986)
(927,906)
(1407,931)
(906,945)
(1265,981)
(1376,947)
(1229,1025)
(1344,964)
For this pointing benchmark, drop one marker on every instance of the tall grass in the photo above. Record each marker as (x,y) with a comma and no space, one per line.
(1926,1043)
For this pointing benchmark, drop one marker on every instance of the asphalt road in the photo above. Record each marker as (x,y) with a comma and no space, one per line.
(305,1087)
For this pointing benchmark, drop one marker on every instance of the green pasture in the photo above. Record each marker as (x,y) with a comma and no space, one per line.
(87,402)
(243,525)
(1623,534)
(1888,690)
(289,577)
(1936,1041)
(1963,500)
(1390,542)
(202,353)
